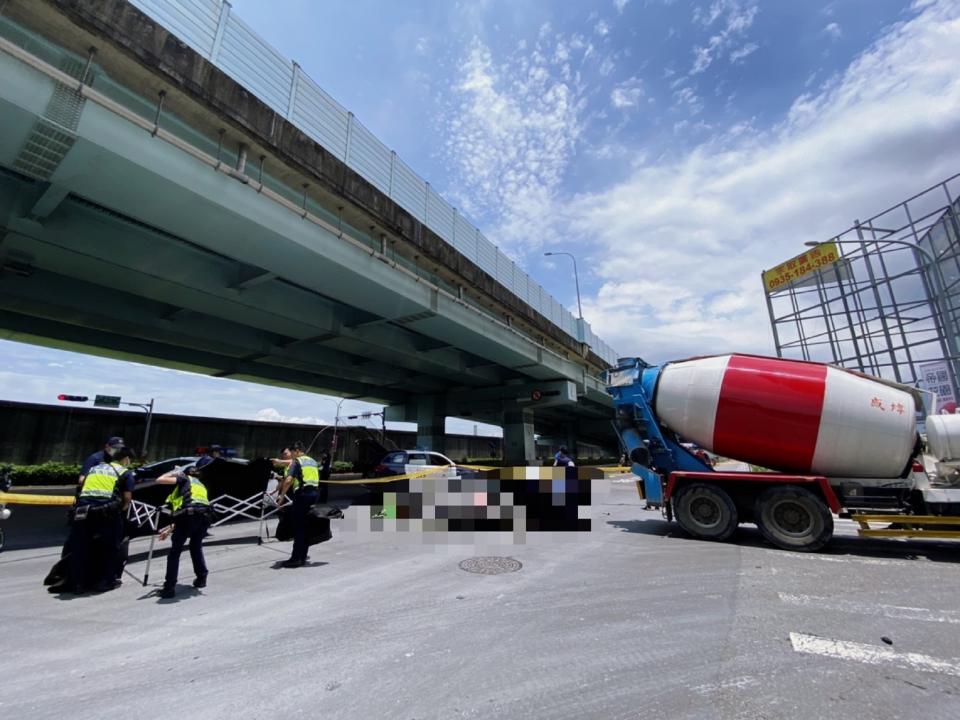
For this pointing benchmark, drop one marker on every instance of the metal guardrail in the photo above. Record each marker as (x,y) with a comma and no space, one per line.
(210,28)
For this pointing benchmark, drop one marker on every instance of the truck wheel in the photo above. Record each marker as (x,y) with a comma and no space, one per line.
(793,518)
(705,511)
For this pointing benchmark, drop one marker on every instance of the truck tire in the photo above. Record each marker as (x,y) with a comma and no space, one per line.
(793,518)
(705,511)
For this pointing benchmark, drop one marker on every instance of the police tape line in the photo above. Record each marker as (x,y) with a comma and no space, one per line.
(389,479)
(24,499)
(67,500)
(609,472)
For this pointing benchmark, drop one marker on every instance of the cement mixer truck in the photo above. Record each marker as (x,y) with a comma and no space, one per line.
(821,441)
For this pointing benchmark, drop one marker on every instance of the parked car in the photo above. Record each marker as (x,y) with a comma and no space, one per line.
(404,462)
(149,473)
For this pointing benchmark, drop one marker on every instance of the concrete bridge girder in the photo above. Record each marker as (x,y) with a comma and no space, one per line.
(513,407)
(55,296)
(232,210)
(164,208)
(51,333)
(252,264)
(96,257)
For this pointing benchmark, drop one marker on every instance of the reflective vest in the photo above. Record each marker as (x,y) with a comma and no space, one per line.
(309,470)
(101,481)
(198,496)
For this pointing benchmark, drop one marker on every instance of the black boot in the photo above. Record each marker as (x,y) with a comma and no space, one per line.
(168,592)
(291,563)
(200,581)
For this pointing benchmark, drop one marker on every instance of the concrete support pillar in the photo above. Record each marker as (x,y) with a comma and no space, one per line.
(431,412)
(519,447)
(570,438)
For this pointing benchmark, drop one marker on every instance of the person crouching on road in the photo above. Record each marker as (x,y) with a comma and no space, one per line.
(191,518)
(303,479)
(96,536)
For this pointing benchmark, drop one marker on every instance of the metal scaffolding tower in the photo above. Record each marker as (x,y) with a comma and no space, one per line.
(882,297)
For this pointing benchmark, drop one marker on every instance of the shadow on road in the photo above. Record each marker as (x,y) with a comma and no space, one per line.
(840,546)
(162,550)
(184,592)
(280,566)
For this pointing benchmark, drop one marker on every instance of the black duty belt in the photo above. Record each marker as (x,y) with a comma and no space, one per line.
(82,512)
(192,510)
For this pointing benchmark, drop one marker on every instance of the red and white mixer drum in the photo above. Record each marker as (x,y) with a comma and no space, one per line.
(786,415)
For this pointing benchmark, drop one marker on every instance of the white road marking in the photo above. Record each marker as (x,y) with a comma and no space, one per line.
(871,654)
(898,612)
(735,683)
(858,560)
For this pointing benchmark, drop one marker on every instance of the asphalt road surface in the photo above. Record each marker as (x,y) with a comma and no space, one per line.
(631,620)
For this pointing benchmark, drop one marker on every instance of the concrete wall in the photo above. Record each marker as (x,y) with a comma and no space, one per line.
(33,433)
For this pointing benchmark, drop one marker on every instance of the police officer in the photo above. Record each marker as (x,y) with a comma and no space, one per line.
(97,532)
(303,479)
(110,448)
(191,518)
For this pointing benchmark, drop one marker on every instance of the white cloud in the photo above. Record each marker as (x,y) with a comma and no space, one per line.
(686,98)
(627,94)
(833,30)
(601,28)
(620,5)
(512,131)
(685,126)
(422,46)
(741,53)
(274,415)
(680,244)
(738,17)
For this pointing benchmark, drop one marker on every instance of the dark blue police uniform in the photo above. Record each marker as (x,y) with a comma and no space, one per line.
(98,457)
(97,532)
(191,518)
(305,486)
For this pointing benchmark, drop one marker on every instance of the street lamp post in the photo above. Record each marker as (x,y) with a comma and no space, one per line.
(576,277)
(336,425)
(148,409)
(114,402)
(937,275)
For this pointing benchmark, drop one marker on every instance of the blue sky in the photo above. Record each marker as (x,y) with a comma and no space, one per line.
(677,148)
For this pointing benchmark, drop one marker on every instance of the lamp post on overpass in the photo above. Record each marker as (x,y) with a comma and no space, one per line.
(576,277)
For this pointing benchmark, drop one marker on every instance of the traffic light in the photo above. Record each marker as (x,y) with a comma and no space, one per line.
(73,398)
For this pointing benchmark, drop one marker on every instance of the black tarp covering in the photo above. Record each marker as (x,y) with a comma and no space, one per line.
(318,524)
(221,477)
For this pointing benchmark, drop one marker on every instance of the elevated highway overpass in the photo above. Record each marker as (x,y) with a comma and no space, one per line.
(152,208)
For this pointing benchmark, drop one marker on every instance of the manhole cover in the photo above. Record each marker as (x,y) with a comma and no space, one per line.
(490,565)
